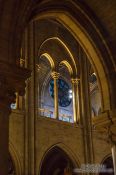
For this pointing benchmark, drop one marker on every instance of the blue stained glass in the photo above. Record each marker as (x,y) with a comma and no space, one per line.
(63,92)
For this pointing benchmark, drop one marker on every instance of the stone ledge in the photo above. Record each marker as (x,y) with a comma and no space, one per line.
(17,111)
(58,121)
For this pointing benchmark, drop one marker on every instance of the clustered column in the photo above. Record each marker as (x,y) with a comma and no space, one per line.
(86,120)
(55,76)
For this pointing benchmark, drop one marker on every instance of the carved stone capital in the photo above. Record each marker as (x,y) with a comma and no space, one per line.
(55,75)
(12,80)
(75,81)
(7,95)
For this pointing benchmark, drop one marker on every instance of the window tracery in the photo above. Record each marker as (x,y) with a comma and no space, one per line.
(64,94)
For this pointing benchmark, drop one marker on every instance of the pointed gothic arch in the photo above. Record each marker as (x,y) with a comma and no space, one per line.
(92,51)
(15,158)
(56,159)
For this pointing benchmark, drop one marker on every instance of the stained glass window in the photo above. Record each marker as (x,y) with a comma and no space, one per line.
(64,96)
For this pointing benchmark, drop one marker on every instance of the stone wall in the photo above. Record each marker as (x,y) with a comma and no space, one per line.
(49,133)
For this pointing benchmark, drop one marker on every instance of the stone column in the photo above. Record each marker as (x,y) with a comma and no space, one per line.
(112,141)
(75,99)
(12,80)
(17,101)
(55,76)
(6,98)
(113,148)
(28,52)
(86,120)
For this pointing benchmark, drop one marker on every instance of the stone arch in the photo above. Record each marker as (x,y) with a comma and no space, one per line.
(90,49)
(108,163)
(69,67)
(59,44)
(50,59)
(89,25)
(66,150)
(15,158)
(70,153)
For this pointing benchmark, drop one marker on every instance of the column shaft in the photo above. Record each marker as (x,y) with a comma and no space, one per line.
(56,97)
(4,139)
(55,76)
(86,111)
(114,157)
(75,100)
(31,106)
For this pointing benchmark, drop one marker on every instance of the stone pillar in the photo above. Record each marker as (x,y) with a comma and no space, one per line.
(113,148)
(17,101)
(6,98)
(55,76)
(12,80)
(86,121)
(112,141)
(29,55)
(75,99)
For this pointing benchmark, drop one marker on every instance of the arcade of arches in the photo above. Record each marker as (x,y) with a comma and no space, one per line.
(57,79)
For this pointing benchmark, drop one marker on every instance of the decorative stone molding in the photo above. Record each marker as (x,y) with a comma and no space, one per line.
(55,75)
(75,80)
(12,79)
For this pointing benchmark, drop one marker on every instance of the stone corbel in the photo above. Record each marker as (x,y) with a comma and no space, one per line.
(12,80)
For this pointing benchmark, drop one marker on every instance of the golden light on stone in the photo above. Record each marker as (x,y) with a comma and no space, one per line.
(55,76)
(22,62)
(75,99)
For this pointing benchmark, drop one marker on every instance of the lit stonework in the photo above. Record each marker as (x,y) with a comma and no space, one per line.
(65,32)
(75,82)
(55,76)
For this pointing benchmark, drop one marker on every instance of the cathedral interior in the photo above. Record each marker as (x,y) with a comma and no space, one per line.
(57,87)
